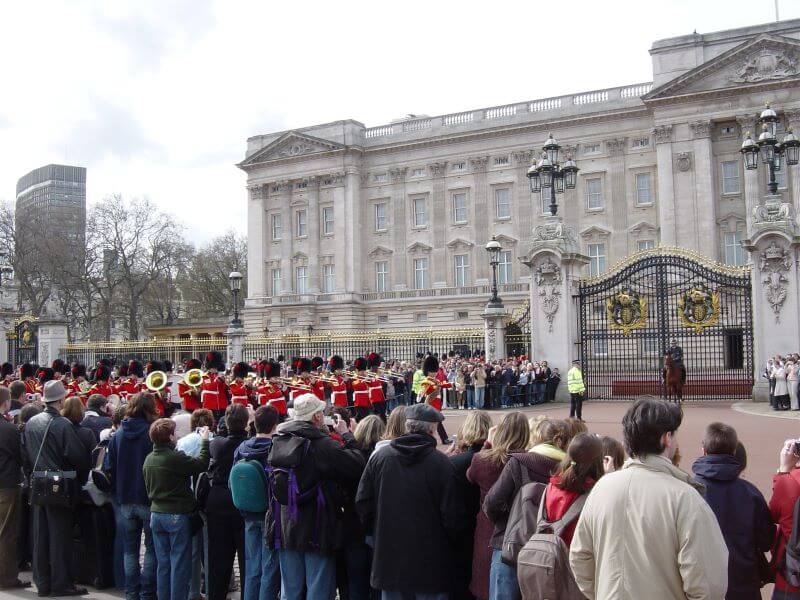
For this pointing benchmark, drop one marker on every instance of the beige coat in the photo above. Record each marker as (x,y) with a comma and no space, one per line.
(646,532)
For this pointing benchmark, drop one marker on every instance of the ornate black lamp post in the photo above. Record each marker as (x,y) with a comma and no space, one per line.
(773,153)
(548,175)
(494,248)
(235,280)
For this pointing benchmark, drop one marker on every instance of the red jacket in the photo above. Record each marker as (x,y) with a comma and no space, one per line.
(214,392)
(360,393)
(190,399)
(240,393)
(272,395)
(376,391)
(339,392)
(557,504)
(785,492)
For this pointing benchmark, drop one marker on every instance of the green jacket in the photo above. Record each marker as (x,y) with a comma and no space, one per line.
(575,381)
(167,477)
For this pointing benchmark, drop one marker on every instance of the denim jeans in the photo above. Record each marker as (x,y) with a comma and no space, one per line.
(538,392)
(263,578)
(307,575)
(385,595)
(480,393)
(503,583)
(140,582)
(172,538)
(470,397)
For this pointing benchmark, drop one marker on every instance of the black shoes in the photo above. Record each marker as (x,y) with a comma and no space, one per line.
(73,591)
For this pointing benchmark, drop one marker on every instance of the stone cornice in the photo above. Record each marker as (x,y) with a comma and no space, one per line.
(256,192)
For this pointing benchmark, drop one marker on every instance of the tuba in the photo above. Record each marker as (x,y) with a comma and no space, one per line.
(193,378)
(156,381)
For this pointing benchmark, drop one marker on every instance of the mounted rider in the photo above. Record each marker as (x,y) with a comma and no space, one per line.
(675,352)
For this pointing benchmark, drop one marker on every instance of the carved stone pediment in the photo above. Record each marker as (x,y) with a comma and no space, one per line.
(506,240)
(380,251)
(643,227)
(594,233)
(765,58)
(460,243)
(419,247)
(291,145)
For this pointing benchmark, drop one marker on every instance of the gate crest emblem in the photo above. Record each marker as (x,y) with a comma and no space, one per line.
(699,308)
(626,311)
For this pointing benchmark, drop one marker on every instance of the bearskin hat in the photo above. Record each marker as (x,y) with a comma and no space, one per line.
(6,369)
(59,366)
(167,366)
(374,360)
(135,368)
(26,370)
(316,363)
(45,374)
(269,368)
(240,369)
(192,363)
(281,358)
(360,364)
(431,365)
(336,362)
(78,370)
(101,373)
(301,365)
(106,362)
(122,371)
(214,361)
(153,365)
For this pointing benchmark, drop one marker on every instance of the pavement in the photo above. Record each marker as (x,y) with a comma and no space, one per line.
(760,429)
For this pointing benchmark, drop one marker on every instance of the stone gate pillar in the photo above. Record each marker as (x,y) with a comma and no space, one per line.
(555,262)
(773,243)
(235,336)
(494,332)
(52,339)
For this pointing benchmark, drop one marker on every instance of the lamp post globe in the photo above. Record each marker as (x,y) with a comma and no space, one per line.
(549,176)
(494,249)
(235,282)
(773,153)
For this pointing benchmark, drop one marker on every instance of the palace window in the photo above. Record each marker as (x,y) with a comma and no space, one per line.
(381,178)
(383,319)
(640,143)
(380,216)
(276,281)
(460,208)
(462,314)
(461,269)
(302,227)
(730,177)
(501,160)
(734,252)
(645,245)
(418,173)
(420,273)
(504,268)
(591,148)
(644,194)
(327,220)
(277,227)
(421,317)
(328,279)
(301,280)
(381,275)
(594,194)
(420,213)
(459,166)
(597,259)
(502,203)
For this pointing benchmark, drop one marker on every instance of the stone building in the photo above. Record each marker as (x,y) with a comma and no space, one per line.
(355,227)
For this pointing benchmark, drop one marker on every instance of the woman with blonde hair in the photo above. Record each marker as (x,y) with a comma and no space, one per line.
(395,427)
(369,431)
(511,436)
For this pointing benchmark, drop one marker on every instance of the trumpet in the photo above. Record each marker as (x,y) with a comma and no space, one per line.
(193,378)
(325,378)
(355,375)
(392,374)
(156,381)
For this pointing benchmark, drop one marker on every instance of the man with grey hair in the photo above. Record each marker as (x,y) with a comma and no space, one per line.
(407,482)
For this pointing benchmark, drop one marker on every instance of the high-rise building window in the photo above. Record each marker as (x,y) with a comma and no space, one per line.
(277,227)
(504,272)
(327,220)
(597,259)
(730,177)
(502,203)
(643,192)
(328,279)
(734,252)
(276,282)
(460,208)
(302,227)
(381,276)
(380,216)
(594,194)
(461,269)
(420,213)
(301,280)
(420,273)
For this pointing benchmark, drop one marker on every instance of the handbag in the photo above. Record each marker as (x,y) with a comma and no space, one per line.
(98,486)
(58,489)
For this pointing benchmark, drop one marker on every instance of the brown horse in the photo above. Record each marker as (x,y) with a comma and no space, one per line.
(673,379)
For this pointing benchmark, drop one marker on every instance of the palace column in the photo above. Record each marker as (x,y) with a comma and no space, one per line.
(705,203)
(619,199)
(483,214)
(438,224)
(284,200)
(312,219)
(399,228)
(353,227)
(793,173)
(666,185)
(256,241)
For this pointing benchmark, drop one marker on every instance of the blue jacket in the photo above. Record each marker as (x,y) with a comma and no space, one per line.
(744,519)
(127,449)
(253,449)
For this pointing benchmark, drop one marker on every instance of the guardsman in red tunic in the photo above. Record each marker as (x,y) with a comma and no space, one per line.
(431,390)
(317,386)
(6,374)
(360,387)
(78,374)
(43,375)
(190,396)
(376,396)
(101,375)
(303,384)
(269,391)
(59,368)
(214,390)
(26,374)
(133,384)
(240,392)
(162,397)
(338,389)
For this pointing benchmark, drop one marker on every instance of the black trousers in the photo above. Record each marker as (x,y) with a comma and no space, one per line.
(379,408)
(52,549)
(576,406)
(361,412)
(442,433)
(224,538)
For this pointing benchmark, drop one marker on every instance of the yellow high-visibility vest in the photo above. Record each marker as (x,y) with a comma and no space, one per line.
(575,381)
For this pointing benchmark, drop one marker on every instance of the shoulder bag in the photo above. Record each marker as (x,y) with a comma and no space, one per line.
(58,489)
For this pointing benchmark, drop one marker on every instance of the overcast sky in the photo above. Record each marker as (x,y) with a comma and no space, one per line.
(156,98)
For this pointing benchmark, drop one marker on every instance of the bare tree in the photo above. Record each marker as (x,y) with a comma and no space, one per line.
(206,282)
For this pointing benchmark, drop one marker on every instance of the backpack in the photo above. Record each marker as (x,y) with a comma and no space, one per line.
(248,484)
(543,569)
(522,521)
(791,560)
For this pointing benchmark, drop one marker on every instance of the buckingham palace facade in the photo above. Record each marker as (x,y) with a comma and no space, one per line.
(364,228)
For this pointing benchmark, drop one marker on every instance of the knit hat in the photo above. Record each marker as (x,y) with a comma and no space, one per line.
(306,406)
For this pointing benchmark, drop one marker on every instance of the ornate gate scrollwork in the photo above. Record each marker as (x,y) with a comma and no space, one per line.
(626,311)
(699,308)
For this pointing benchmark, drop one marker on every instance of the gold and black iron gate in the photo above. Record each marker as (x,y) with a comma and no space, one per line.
(631,315)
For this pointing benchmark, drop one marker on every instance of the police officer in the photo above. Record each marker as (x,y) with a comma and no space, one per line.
(577,389)
(676,353)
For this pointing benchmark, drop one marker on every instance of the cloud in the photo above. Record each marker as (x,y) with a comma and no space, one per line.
(4,122)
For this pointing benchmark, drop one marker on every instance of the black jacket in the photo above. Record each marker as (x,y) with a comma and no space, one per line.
(407,497)
(222,450)
(96,424)
(469,496)
(62,450)
(10,456)
(743,517)
(335,466)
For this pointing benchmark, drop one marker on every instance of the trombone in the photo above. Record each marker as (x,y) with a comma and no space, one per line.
(295,383)
(194,378)
(156,381)
(392,374)
(325,378)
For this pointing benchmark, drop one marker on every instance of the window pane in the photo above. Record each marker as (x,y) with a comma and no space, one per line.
(327,220)
(380,216)
(381,275)
(459,208)
(594,194)
(301,280)
(301,223)
(328,278)
(276,282)
(730,177)
(734,252)
(643,188)
(646,245)
(504,268)
(502,201)
(420,273)
(461,269)
(276,227)
(597,259)
(420,216)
